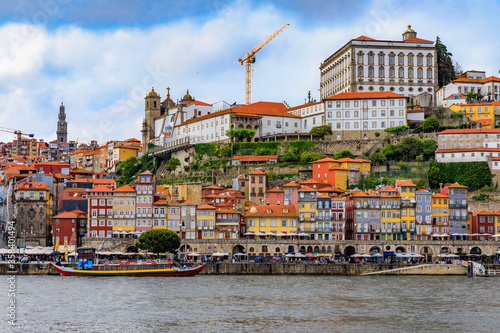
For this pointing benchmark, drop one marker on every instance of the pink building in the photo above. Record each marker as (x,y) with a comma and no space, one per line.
(145,186)
(274,196)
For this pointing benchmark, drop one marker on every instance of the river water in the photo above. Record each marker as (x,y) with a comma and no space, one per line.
(253,304)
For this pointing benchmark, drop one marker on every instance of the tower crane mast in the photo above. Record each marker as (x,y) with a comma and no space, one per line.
(249,59)
(18,133)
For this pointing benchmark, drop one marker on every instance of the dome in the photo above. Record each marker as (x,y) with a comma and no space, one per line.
(187,97)
(153,93)
(409,30)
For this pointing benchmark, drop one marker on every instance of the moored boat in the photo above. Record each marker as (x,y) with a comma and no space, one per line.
(130,269)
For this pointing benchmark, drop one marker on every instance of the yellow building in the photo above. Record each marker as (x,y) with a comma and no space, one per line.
(272,219)
(390,216)
(180,192)
(205,218)
(124,209)
(440,214)
(103,158)
(480,112)
(307,210)
(408,207)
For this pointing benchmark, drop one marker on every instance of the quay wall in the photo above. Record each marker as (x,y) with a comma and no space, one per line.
(284,269)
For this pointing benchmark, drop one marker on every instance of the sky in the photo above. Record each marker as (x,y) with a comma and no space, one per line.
(100,58)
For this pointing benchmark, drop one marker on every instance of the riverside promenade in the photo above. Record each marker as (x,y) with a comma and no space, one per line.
(227,268)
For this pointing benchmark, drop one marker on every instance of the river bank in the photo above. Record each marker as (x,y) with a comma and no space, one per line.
(284,269)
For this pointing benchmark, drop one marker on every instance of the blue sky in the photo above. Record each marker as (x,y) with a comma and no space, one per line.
(101,57)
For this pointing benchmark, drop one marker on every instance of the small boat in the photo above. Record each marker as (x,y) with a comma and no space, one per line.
(130,269)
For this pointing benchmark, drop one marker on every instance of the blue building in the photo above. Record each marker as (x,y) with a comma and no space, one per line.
(423,215)
(458,209)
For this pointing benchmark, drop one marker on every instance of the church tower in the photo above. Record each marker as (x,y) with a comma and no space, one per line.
(62,125)
(152,110)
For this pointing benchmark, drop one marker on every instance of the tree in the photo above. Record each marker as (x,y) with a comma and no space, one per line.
(409,147)
(290,157)
(389,150)
(430,124)
(159,241)
(172,164)
(343,154)
(377,134)
(469,96)
(446,70)
(321,130)
(429,148)
(241,133)
(403,166)
(378,158)
(434,176)
(397,129)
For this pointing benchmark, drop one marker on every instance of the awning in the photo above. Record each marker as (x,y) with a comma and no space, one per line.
(388,253)
(220,254)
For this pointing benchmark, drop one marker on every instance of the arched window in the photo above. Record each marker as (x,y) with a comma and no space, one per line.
(381,58)
(419,73)
(370,58)
(277,250)
(410,72)
(401,72)
(264,248)
(381,72)
(429,73)
(251,250)
(360,58)
(391,72)
(410,59)
(360,71)
(370,71)
(429,59)
(420,58)
(401,59)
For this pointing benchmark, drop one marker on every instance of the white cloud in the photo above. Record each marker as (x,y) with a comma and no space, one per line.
(103,75)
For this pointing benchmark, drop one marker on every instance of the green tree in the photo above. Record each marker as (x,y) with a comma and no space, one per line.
(172,164)
(159,241)
(225,151)
(446,70)
(397,129)
(409,147)
(389,151)
(378,158)
(241,134)
(430,124)
(429,148)
(290,157)
(403,166)
(321,130)
(377,134)
(469,96)
(343,154)
(434,176)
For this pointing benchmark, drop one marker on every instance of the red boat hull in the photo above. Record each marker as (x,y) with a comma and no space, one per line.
(66,271)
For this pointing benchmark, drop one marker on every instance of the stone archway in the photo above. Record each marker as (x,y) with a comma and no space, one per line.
(476,250)
(445,250)
(132,249)
(375,249)
(349,250)
(309,249)
(329,249)
(184,248)
(238,249)
(277,251)
(302,249)
(401,249)
(291,249)
(316,249)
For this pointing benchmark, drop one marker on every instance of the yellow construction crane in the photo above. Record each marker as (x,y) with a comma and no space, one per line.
(249,59)
(18,133)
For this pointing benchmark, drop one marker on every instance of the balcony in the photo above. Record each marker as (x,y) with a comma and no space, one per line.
(458,205)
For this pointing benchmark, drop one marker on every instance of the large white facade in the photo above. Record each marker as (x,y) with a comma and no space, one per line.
(468,145)
(360,115)
(407,67)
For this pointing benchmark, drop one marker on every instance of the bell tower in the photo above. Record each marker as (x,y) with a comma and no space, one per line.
(62,125)
(409,33)
(152,110)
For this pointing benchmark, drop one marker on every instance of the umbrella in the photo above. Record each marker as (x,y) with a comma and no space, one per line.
(193,254)
(281,234)
(299,255)
(292,234)
(270,234)
(259,234)
(310,255)
(56,253)
(442,255)
(485,234)
(453,255)
(219,254)
(116,232)
(303,234)
(290,255)
(496,235)
(248,234)
(366,255)
(356,255)
(240,254)
(377,255)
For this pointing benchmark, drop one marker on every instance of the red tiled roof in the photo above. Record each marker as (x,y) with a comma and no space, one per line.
(466,150)
(470,131)
(484,122)
(125,188)
(276,210)
(303,106)
(416,39)
(407,183)
(467,80)
(364,95)
(364,38)
(199,103)
(101,188)
(256,158)
(160,202)
(258,172)
(451,96)
(415,111)
(274,190)
(69,215)
(205,207)
(439,195)
(33,186)
(213,187)
(291,184)
(325,160)
(306,189)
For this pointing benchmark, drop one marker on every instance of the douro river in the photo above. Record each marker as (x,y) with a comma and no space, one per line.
(252,304)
